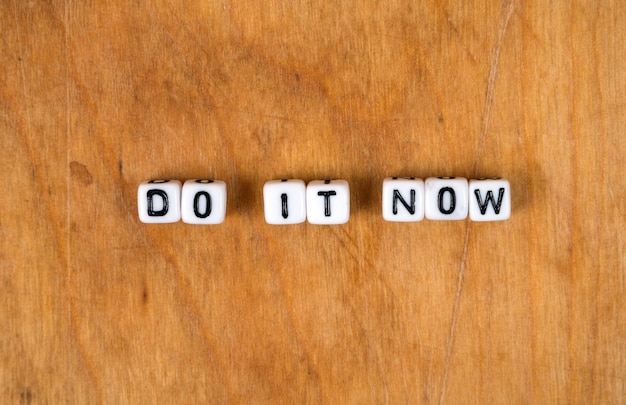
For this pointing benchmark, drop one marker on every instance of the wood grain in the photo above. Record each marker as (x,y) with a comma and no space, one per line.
(96,97)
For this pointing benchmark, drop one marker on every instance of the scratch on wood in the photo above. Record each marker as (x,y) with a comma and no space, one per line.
(20,58)
(183,289)
(455,310)
(505,15)
(68,108)
(618,206)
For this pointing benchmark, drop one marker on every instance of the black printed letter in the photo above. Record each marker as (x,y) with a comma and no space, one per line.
(163,195)
(196,204)
(483,205)
(327,195)
(450,210)
(283,199)
(409,207)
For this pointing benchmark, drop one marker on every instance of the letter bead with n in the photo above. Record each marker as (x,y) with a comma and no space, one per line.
(328,202)
(403,199)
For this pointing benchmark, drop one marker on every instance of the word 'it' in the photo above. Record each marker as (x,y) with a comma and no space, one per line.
(327,202)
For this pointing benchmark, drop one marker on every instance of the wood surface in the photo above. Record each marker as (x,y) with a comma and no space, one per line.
(96,97)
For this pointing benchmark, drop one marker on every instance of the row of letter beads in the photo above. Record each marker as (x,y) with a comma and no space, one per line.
(446,198)
(323,202)
(328,201)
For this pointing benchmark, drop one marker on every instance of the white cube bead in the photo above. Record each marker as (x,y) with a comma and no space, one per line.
(284,201)
(328,202)
(158,201)
(446,198)
(489,199)
(203,202)
(403,199)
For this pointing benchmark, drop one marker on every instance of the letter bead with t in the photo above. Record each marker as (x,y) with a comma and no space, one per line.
(328,202)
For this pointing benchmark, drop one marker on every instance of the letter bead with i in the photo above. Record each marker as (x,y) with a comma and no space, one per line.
(284,201)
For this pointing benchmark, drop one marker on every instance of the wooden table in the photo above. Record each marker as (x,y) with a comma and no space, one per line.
(97,307)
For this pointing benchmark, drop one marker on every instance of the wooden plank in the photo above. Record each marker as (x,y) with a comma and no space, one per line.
(100,308)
